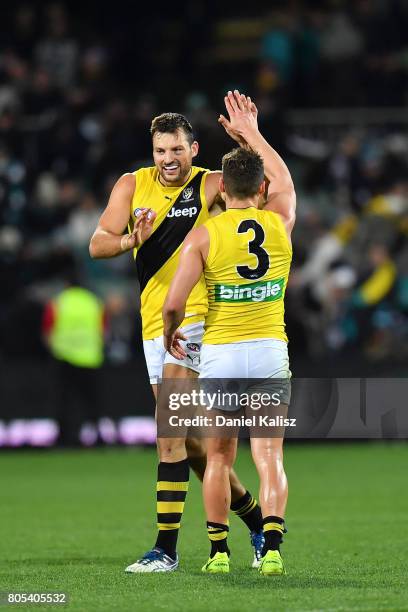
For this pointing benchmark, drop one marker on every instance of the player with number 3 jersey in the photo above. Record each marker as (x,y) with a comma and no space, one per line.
(250,289)
(245,255)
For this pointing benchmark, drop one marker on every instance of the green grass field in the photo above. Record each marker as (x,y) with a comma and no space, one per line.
(72,521)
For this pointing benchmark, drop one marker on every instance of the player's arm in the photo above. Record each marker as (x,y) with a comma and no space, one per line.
(281,195)
(242,120)
(191,264)
(216,203)
(214,199)
(109,239)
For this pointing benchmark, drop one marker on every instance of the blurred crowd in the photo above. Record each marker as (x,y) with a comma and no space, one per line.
(77,95)
(323,54)
(348,291)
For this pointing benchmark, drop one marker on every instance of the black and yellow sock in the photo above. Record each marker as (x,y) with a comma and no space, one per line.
(218,532)
(274,528)
(172,487)
(248,510)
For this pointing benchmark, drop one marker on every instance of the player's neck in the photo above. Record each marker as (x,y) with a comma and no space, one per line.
(247,203)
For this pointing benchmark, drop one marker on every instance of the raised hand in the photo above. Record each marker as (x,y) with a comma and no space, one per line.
(142,230)
(243,116)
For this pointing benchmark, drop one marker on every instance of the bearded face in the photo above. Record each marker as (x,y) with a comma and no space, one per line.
(173,156)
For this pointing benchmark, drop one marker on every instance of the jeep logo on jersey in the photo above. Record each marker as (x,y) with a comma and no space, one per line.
(187,193)
(253,292)
(180,210)
(170,231)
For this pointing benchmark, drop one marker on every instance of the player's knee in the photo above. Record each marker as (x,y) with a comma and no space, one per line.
(267,449)
(222,451)
(171,449)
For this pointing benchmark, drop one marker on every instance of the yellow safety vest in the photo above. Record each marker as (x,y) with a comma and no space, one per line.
(77,335)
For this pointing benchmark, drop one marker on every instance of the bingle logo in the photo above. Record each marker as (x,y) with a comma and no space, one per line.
(253,292)
(187,211)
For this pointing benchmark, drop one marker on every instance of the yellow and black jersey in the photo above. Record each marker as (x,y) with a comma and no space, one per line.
(246,274)
(178,209)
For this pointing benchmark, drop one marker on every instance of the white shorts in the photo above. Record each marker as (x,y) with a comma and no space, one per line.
(156,355)
(267,358)
(263,359)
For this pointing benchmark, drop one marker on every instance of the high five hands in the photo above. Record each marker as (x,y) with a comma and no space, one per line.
(243,116)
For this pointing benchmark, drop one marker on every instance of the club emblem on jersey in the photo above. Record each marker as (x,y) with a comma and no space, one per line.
(193,347)
(187,193)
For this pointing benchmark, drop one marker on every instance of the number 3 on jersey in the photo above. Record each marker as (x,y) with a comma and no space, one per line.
(254,247)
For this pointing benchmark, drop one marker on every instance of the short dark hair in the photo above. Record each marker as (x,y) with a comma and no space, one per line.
(243,173)
(171,122)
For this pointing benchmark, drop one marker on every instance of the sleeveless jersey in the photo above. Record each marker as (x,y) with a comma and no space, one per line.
(246,274)
(178,209)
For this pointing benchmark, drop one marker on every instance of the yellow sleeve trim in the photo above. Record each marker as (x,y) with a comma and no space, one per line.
(202,188)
